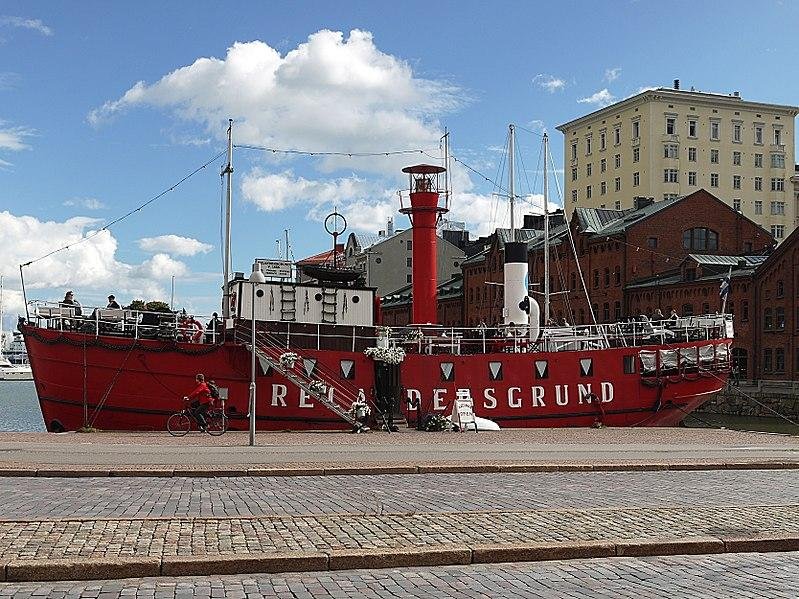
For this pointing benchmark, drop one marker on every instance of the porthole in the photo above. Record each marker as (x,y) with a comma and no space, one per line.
(378,260)
(355,299)
(318,297)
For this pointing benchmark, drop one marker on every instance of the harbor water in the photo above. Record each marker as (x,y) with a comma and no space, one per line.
(19,407)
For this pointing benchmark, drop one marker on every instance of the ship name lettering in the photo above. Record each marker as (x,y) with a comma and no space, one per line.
(584,392)
(414,397)
(304,403)
(562,395)
(490,401)
(438,399)
(538,397)
(278,395)
(607,392)
(513,401)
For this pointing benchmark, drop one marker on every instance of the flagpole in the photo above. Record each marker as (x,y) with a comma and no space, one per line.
(726,292)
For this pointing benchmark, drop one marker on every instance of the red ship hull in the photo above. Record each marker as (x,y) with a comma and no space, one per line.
(115,383)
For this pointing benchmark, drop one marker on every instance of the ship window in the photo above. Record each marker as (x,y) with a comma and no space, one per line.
(495,371)
(447,371)
(586,367)
(541,369)
(629,364)
(347,369)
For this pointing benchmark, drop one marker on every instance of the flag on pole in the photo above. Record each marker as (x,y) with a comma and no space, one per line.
(724,288)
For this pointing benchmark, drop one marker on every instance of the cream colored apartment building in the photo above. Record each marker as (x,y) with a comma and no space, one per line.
(665,143)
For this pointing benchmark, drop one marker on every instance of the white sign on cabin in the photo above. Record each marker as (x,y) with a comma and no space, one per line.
(463,409)
(279,269)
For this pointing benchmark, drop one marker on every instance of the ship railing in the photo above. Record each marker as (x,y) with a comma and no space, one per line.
(139,324)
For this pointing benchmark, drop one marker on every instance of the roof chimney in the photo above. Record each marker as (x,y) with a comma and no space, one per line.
(676,84)
(736,94)
(390,227)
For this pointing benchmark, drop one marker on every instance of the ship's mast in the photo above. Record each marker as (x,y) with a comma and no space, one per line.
(228,172)
(1,316)
(511,179)
(546,232)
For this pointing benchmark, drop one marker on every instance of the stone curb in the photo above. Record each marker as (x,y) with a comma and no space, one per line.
(394,469)
(348,559)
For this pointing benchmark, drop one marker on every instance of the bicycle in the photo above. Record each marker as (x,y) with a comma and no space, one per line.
(180,423)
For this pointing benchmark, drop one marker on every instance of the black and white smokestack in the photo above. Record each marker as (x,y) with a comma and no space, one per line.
(676,84)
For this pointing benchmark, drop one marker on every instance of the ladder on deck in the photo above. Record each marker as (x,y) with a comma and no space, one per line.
(339,402)
(329,305)
(288,302)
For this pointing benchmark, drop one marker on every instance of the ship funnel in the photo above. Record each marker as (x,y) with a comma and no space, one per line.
(515,284)
(424,214)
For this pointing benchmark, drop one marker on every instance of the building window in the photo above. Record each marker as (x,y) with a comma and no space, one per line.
(606,312)
(778,231)
(778,208)
(603,188)
(766,360)
(617,204)
(714,179)
(671,125)
(601,140)
(778,161)
(617,135)
(617,311)
(687,309)
(758,160)
(671,151)
(736,159)
(670,175)
(636,179)
(736,204)
(409,262)
(652,243)
(700,238)
(588,192)
(636,154)
(596,278)
(573,280)
(617,159)
(736,181)
(587,146)
(714,156)
(617,181)
(636,129)
(607,277)
(767,324)
(588,170)
(408,279)
(692,128)
(574,173)
(758,207)
(691,154)
(736,132)
(777,137)
(715,130)
(780,288)
(692,178)
(574,151)
(779,360)
(574,196)
(778,185)
(410,245)
(617,275)
(744,311)
(603,165)
(758,183)
(759,135)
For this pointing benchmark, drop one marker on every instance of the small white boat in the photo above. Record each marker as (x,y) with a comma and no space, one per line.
(9,371)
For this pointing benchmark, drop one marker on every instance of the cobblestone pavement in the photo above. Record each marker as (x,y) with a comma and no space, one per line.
(225,536)
(46,498)
(742,576)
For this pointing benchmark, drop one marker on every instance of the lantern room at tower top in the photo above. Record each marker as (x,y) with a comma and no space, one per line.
(424,212)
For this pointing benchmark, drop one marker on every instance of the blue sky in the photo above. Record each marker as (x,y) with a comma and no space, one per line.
(103,105)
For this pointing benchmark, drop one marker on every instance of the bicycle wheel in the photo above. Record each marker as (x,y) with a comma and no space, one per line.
(217,423)
(178,424)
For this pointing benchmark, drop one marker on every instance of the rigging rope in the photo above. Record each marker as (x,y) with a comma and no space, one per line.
(347,154)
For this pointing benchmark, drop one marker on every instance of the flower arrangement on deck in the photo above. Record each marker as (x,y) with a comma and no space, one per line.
(389,355)
(318,387)
(360,409)
(288,359)
(414,335)
(436,422)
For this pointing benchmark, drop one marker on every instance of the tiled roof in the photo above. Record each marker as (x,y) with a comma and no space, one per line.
(734,261)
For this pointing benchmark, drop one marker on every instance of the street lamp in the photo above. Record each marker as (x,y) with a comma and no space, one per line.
(256,277)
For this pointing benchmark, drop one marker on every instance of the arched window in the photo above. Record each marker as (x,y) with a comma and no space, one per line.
(701,239)
(767,323)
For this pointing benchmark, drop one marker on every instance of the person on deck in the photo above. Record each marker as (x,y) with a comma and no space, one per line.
(113,304)
(69,301)
(200,401)
(190,330)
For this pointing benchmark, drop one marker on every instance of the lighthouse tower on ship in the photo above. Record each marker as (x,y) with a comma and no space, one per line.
(424,214)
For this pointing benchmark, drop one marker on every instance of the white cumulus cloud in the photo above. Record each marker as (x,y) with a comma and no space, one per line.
(174,245)
(89,267)
(22,23)
(549,82)
(612,74)
(87,203)
(601,98)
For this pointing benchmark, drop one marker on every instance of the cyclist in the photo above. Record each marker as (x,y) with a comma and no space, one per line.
(201,401)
